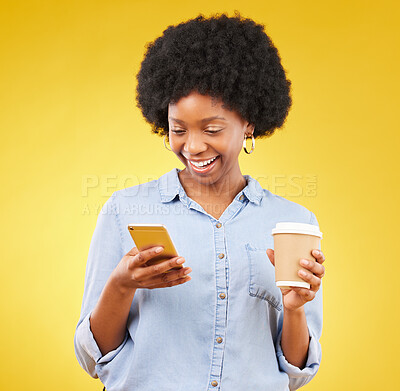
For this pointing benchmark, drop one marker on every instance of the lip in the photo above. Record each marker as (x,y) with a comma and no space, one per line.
(198,170)
(201,160)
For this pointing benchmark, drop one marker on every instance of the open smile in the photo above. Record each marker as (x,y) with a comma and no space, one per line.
(203,166)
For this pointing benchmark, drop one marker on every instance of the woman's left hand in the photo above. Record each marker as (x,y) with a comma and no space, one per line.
(295,297)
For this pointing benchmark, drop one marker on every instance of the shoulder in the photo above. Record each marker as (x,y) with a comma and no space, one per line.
(286,209)
(142,192)
(155,191)
(281,202)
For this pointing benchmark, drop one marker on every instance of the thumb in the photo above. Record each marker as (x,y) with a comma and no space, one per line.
(271,255)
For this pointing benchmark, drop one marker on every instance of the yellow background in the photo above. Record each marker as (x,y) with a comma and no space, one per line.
(71,135)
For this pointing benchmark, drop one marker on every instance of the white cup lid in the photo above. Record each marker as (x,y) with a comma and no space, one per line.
(296,228)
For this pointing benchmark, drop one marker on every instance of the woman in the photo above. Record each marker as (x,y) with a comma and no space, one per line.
(209,85)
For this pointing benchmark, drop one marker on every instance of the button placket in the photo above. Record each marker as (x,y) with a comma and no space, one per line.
(221,305)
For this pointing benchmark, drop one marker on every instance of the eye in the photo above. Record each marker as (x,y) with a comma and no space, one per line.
(213,131)
(177,131)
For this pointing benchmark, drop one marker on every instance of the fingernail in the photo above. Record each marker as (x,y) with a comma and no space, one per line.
(158,249)
(316,252)
(304,262)
(303,273)
(179,261)
(187,271)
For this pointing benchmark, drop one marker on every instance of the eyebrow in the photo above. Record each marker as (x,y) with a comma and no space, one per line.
(202,121)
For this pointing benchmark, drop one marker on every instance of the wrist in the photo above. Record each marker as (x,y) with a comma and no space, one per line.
(294,311)
(118,286)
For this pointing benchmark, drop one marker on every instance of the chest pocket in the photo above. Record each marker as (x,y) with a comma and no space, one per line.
(262,277)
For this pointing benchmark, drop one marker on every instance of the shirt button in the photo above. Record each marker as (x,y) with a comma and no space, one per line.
(214,383)
(222,295)
(219,339)
(220,256)
(218,225)
(241,197)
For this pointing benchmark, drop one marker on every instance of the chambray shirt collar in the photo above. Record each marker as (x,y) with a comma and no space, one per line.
(169,187)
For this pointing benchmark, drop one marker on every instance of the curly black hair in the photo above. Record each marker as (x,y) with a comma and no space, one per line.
(230,58)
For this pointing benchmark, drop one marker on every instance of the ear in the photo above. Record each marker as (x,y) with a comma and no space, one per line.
(249,129)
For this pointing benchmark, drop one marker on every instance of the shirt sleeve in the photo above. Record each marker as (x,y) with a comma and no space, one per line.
(313,310)
(105,252)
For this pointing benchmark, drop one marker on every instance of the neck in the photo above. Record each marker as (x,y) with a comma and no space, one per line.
(223,191)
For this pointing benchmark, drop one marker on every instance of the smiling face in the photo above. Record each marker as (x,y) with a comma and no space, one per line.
(207,138)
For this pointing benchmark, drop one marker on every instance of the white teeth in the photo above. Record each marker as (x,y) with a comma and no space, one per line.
(204,163)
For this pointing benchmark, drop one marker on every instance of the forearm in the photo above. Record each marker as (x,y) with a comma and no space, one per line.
(295,337)
(109,317)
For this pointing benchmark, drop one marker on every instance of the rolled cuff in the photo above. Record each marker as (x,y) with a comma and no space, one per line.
(87,350)
(299,377)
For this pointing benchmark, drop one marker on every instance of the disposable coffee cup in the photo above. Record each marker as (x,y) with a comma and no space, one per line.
(292,242)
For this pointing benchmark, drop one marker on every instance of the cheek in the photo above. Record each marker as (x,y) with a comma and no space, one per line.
(234,148)
(175,144)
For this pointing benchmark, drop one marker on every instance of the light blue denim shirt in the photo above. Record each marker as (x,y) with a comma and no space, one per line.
(222,329)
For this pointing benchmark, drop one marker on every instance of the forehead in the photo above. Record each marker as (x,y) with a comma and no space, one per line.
(196,105)
(195,99)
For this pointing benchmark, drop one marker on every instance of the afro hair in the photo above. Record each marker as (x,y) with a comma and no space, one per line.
(229,58)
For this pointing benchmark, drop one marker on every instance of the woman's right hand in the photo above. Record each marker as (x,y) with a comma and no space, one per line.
(108,320)
(132,271)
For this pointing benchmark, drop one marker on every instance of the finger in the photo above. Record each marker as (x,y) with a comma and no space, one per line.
(319,255)
(285,291)
(314,267)
(311,278)
(133,251)
(177,281)
(271,255)
(143,256)
(167,277)
(306,294)
(162,267)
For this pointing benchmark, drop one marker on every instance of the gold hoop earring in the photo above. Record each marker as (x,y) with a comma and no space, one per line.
(253,143)
(165,145)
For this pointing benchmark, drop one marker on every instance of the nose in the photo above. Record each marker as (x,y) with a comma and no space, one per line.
(194,143)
